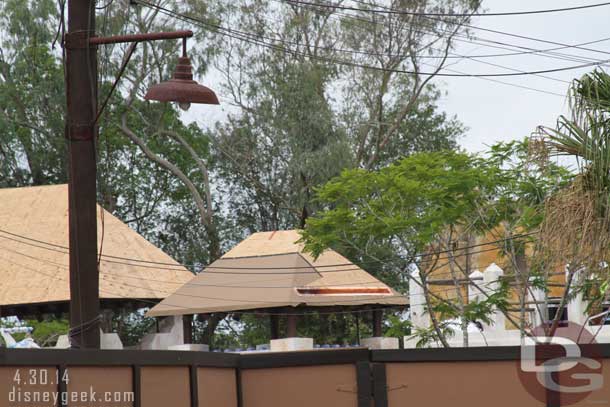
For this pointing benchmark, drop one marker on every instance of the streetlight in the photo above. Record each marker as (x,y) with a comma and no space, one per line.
(82,114)
(182,89)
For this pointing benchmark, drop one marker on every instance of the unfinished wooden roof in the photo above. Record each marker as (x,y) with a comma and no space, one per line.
(270,270)
(34,257)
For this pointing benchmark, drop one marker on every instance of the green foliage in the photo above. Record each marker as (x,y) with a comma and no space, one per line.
(406,204)
(45,333)
(408,208)
(132,326)
(32,145)
(522,184)
(396,327)
(429,336)
(586,135)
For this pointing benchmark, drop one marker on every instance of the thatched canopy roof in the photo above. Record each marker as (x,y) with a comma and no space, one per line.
(34,259)
(270,270)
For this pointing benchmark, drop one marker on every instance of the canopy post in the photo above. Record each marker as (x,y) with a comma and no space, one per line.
(358,328)
(377,322)
(291,326)
(187,326)
(275,326)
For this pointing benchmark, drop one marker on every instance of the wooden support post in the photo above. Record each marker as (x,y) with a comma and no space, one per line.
(187,326)
(81,98)
(291,326)
(358,328)
(275,326)
(377,323)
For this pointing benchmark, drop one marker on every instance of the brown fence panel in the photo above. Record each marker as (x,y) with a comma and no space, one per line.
(338,378)
(333,385)
(24,386)
(99,386)
(474,377)
(163,386)
(93,378)
(472,384)
(217,387)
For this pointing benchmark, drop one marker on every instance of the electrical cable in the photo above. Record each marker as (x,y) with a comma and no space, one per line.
(388,10)
(431,14)
(500,45)
(460,73)
(258,280)
(178,266)
(125,285)
(365,66)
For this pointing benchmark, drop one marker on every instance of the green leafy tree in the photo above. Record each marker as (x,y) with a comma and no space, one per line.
(32,146)
(407,206)
(404,215)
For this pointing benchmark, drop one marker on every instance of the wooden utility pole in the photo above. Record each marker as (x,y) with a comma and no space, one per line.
(81,98)
(82,113)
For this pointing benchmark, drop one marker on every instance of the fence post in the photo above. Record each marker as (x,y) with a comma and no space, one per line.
(137,386)
(380,385)
(62,386)
(363,377)
(238,386)
(194,381)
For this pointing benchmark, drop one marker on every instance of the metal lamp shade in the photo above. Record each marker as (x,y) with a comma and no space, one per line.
(182,88)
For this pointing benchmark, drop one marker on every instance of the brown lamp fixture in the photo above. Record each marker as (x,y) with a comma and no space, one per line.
(182,89)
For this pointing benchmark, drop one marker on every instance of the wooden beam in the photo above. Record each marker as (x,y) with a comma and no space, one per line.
(187,326)
(274,322)
(291,326)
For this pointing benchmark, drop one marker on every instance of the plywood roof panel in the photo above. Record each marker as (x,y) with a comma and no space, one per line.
(34,272)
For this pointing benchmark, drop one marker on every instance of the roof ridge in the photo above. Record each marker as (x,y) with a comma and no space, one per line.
(308,262)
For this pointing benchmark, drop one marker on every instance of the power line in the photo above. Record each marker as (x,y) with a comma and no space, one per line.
(123,284)
(244,301)
(245,37)
(174,267)
(545,52)
(514,85)
(258,280)
(457,56)
(477,28)
(431,14)
(549,53)
(114,294)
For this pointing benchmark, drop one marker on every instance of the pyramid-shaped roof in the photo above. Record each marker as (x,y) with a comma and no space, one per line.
(34,261)
(269,270)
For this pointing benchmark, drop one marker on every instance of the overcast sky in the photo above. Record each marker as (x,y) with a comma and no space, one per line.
(496,112)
